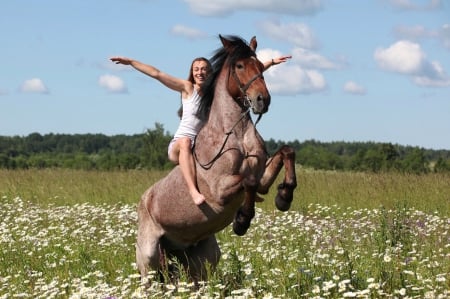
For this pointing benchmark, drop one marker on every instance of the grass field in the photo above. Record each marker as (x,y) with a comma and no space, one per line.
(71,234)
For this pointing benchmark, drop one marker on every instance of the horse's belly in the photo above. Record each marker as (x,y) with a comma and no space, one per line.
(180,219)
(192,225)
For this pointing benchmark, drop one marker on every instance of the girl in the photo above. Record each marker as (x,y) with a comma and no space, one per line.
(180,148)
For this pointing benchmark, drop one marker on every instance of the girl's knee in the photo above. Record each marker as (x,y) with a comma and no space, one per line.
(184,143)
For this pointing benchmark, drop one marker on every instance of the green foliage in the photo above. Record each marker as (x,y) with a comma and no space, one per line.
(154,149)
(371,157)
(87,151)
(149,151)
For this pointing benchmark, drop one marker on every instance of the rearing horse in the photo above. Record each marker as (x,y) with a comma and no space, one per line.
(232,167)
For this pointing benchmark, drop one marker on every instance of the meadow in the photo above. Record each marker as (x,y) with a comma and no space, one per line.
(71,234)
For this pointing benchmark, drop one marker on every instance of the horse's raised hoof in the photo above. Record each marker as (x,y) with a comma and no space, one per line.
(282,204)
(241,223)
(240,229)
(284,196)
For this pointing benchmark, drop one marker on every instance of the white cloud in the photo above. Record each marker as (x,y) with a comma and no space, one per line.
(309,59)
(407,58)
(403,57)
(444,36)
(354,88)
(112,84)
(227,7)
(419,32)
(294,80)
(34,85)
(433,75)
(290,78)
(413,32)
(187,32)
(412,5)
(298,34)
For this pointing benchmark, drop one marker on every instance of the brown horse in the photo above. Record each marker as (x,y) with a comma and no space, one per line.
(232,167)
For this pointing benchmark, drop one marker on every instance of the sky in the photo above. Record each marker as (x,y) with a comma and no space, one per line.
(361,71)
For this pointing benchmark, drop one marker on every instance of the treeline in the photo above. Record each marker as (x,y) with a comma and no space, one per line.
(149,151)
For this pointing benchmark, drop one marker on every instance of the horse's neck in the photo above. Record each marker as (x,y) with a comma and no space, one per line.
(225,113)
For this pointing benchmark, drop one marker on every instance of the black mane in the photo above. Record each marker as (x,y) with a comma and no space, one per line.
(239,50)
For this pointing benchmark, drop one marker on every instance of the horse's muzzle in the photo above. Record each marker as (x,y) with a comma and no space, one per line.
(260,104)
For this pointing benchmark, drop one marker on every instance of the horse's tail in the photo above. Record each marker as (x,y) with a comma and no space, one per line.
(145,204)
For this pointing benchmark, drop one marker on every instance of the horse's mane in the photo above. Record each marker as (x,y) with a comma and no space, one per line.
(239,49)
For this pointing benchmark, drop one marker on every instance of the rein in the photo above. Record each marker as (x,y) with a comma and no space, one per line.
(208,165)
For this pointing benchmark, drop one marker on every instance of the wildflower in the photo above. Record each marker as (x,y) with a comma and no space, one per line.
(328,285)
(408,272)
(349,295)
(316,289)
(440,278)
(401,292)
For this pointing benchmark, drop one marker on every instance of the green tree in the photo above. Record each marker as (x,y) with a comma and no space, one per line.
(390,155)
(415,162)
(154,150)
(373,160)
(442,165)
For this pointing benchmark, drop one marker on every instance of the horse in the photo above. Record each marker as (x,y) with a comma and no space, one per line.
(232,167)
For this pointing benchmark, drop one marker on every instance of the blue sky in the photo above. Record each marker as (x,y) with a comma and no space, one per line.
(375,70)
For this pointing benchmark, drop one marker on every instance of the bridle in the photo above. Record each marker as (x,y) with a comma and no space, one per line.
(243,87)
(246,102)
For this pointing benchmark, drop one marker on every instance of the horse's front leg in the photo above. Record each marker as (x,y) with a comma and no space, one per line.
(284,156)
(245,213)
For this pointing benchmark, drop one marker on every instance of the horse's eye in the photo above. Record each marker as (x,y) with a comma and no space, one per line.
(239,66)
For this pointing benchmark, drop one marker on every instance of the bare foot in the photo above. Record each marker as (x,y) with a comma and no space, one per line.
(198,198)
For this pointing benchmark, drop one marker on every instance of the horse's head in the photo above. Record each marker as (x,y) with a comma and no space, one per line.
(245,79)
(237,64)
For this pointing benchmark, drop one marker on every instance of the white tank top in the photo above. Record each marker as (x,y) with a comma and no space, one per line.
(190,124)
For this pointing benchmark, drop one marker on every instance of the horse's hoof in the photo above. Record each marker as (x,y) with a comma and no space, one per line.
(240,229)
(284,196)
(282,204)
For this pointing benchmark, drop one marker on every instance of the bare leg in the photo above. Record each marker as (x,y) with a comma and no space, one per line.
(181,153)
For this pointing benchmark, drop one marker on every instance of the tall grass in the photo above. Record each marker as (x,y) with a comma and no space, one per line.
(68,187)
(71,234)
(428,192)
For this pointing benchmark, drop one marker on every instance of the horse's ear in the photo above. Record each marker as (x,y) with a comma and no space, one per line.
(226,43)
(253,44)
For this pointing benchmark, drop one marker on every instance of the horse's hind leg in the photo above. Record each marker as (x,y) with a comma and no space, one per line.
(148,241)
(284,156)
(200,258)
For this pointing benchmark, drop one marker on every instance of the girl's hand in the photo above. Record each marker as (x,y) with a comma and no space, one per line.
(281,59)
(121,60)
